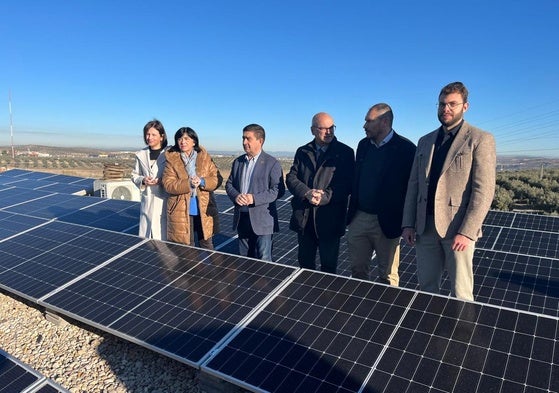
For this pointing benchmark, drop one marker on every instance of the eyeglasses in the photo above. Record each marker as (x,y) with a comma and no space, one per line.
(332,128)
(451,105)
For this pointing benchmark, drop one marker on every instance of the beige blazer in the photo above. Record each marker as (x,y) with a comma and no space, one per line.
(465,189)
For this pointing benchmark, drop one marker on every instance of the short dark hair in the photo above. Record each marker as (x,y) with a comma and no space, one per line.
(188,132)
(455,87)
(388,114)
(159,127)
(257,129)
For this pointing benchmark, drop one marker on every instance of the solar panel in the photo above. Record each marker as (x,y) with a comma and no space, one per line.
(39,261)
(13,196)
(15,376)
(528,242)
(53,205)
(13,224)
(518,281)
(174,299)
(325,333)
(47,181)
(443,344)
(112,214)
(322,333)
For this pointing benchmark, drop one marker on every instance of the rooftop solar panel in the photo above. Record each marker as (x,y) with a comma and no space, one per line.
(499,218)
(322,333)
(223,202)
(13,224)
(47,181)
(15,376)
(445,345)
(53,205)
(73,189)
(24,174)
(174,299)
(536,222)
(528,242)
(112,214)
(13,196)
(39,261)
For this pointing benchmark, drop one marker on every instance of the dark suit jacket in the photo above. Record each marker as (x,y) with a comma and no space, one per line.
(465,188)
(394,182)
(266,186)
(334,175)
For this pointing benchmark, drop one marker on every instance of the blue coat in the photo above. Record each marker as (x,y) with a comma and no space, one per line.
(266,186)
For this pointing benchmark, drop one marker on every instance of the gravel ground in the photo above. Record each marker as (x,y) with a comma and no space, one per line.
(87,360)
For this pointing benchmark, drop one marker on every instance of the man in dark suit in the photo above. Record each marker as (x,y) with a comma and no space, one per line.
(254,184)
(320,180)
(451,187)
(383,163)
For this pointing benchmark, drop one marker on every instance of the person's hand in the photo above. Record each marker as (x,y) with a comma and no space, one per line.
(151,181)
(195,181)
(408,234)
(244,199)
(314,196)
(461,242)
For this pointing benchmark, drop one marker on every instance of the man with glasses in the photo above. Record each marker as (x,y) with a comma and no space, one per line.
(450,191)
(383,163)
(320,181)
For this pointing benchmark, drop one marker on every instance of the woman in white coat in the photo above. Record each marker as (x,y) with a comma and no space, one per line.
(147,173)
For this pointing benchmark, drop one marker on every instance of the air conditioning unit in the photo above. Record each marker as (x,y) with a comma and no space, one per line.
(124,190)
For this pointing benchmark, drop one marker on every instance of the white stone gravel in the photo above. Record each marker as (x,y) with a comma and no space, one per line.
(83,359)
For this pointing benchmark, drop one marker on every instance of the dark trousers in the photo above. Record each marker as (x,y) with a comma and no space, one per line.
(250,244)
(197,235)
(328,250)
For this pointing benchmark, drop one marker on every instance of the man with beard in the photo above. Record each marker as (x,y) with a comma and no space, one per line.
(382,168)
(450,190)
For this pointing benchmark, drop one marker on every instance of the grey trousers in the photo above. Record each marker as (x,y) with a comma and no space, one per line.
(434,254)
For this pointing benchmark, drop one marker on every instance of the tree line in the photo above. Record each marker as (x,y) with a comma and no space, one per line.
(534,190)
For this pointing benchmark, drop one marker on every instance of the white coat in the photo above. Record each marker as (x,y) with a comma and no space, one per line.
(153,208)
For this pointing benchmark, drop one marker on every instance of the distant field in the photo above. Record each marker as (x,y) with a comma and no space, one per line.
(92,167)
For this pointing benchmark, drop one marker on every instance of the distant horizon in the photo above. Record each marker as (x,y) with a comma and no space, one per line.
(281,153)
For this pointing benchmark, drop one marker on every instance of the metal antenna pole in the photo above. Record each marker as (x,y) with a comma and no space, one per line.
(11,124)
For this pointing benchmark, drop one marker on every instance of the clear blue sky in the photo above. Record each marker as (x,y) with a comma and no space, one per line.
(92,73)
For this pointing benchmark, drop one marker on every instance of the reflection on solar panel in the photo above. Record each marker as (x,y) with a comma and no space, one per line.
(177,300)
(52,206)
(18,377)
(113,214)
(38,261)
(47,182)
(13,196)
(13,224)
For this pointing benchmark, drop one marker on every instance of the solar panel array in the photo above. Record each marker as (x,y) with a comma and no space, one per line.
(274,327)
(15,376)
(49,182)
